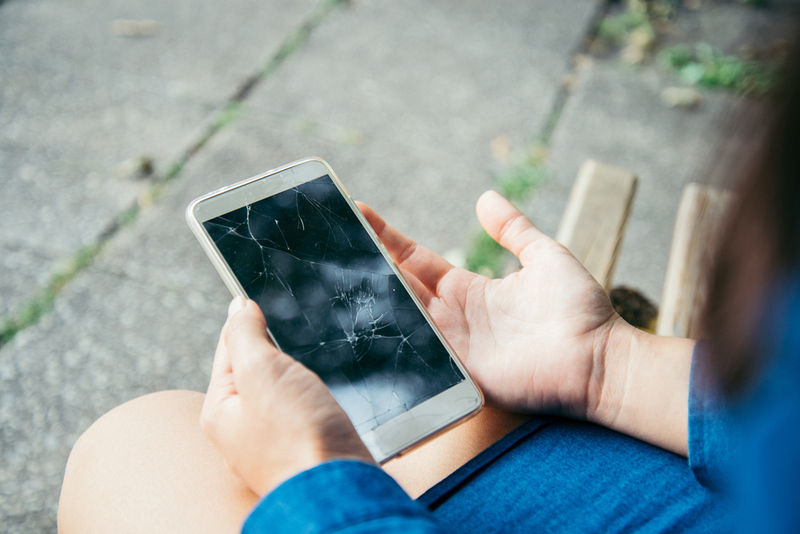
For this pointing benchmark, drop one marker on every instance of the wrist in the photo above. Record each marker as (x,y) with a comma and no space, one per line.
(643,386)
(610,371)
(304,461)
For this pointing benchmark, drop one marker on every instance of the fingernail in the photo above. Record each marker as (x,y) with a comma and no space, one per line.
(238,303)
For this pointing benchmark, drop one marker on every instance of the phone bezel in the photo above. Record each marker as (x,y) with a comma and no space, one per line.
(412,428)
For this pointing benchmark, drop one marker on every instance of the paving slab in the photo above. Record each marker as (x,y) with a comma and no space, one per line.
(144,317)
(424,88)
(108,340)
(617,116)
(77,100)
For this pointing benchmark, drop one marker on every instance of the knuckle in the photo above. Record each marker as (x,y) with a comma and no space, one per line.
(406,253)
(294,375)
(285,368)
(232,329)
(513,227)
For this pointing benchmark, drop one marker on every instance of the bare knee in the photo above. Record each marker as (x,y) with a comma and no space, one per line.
(145,466)
(109,438)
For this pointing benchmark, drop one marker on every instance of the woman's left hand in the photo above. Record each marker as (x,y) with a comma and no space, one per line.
(269,415)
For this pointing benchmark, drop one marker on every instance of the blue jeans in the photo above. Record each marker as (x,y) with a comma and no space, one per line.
(551,474)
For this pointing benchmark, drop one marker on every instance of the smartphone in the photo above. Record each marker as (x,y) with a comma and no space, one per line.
(294,241)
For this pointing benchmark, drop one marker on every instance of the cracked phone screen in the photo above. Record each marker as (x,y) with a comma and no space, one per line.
(332,301)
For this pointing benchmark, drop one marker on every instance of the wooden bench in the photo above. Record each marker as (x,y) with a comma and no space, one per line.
(594,220)
(594,223)
(697,229)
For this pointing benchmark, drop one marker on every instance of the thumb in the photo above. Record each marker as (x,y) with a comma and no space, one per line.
(507,225)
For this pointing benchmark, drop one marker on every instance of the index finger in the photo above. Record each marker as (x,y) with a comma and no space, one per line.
(221,380)
(424,264)
(249,349)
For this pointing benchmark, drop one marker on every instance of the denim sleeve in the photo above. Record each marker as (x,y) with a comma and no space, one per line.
(711,428)
(345,497)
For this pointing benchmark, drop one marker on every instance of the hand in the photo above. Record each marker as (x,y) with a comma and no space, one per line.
(269,415)
(532,339)
(546,339)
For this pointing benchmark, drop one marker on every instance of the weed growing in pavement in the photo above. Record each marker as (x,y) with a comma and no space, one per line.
(638,17)
(634,30)
(522,178)
(485,255)
(44,301)
(228,114)
(703,65)
(617,28)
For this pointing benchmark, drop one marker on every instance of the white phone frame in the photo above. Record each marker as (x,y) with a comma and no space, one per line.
(409,429)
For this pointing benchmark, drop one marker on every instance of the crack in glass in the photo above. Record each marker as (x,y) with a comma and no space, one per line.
(333,302)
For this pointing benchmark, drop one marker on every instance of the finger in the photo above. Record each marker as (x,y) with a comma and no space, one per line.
(419,288)
(376,221)
(220,383)
(222,362)
(507,225)
(248,346)
(424,264)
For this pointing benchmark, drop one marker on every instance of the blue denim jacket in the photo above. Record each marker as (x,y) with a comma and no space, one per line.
(342,496)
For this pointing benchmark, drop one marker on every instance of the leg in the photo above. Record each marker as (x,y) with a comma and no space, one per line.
(420,469)
(146,467)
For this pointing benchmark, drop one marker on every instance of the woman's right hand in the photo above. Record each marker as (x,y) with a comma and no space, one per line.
(269,415)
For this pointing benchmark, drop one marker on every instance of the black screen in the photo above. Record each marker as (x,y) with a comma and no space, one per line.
(332,301)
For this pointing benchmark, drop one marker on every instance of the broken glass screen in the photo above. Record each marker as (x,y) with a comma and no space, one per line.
(332,301)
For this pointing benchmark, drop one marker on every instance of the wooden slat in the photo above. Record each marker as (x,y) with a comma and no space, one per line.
(697,231)
(595,217)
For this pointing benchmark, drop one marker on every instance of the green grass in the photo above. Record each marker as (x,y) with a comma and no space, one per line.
(521,179)
(616,28)
(637,18)
(705,66)
(129,216)
(175,169)
(299,37)
(234,109)
(486,256)
(227,115)
(44,301)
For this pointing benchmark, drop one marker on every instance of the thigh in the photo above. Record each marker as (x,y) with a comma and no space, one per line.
(147,467)
(425,466)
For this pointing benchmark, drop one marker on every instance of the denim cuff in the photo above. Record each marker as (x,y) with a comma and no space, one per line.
(339,496)
(710,425)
